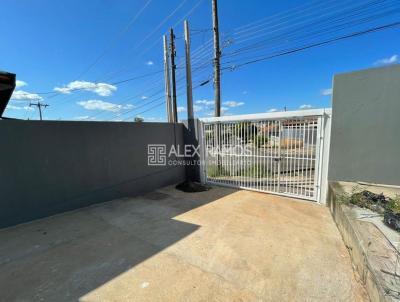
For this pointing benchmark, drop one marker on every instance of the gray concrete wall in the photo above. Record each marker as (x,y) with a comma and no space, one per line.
(365,137)
(51,167)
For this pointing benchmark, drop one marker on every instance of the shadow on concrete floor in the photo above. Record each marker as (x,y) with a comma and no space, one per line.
(64,257)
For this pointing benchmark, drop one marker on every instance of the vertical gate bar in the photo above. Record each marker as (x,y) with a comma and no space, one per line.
(301,183)
(279,156)
(275,151)
(234,152)
(284,156)
(240,140)
(248,175)
(302,159)
(321,121)
(297,157)
(264,148)
(259,157)
(254,128)
(228,151)
(313,139)
(264,158)
(205,152)
(231,179)
(244,171)
(224,151)
(293,152)
(219,152)
(258,142)
(315,172)
(267,143)
(308,158)
(273,158)
(269,156)
(290,148)
(207,137)
(239,159)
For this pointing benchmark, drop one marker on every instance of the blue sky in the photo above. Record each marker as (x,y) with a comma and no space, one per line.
(52,46)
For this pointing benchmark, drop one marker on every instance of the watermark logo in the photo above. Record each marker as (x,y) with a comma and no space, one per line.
(156,155)
(161,155)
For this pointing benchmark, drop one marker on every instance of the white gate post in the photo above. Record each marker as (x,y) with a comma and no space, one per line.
(326,128)
(202,144)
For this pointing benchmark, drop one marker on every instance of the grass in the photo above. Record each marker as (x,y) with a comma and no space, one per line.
(361,199)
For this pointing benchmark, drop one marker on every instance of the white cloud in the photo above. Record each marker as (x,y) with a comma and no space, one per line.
(197,108)
(205,102)
(273,110)
(84,118)
(12,107)
(181,109)
(23,95)
(105,106)
(102,89)
(305,106)
(20,83)
(149,63)
(144,97)
(233,104)
(224,110)
(327,91)
(387,61)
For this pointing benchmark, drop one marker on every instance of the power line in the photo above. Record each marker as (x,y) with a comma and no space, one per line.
(116,40)
(356,34)
(321,30)
(339,17)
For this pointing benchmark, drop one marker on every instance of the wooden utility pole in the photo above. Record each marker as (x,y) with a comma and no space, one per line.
(189,91)
(173,69)
(167,82)
(217,54)
(39,105)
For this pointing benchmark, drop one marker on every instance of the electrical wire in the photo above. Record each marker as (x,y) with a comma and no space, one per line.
(356,34)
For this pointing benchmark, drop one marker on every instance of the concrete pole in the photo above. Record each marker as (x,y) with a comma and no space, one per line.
(217,63)
(189,91)
(167,81)
(173,69)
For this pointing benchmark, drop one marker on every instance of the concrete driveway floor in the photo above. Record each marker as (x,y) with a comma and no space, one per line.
(220,245)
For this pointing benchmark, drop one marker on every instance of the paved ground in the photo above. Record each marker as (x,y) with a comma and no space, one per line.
(221,245)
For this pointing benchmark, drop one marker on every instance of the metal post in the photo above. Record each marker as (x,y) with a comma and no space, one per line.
(167,81)
(217,54)
(39,105)
(173,68)
(188,73)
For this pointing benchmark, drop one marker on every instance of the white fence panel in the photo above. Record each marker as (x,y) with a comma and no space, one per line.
(277,153)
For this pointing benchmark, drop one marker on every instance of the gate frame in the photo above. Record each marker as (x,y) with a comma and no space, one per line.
(323,143)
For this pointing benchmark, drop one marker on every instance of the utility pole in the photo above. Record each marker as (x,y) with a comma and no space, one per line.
(173,68)
(189,91)
(167,82)
(217,54)
(39,105)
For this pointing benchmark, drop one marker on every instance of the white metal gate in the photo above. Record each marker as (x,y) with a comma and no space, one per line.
(277,153)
